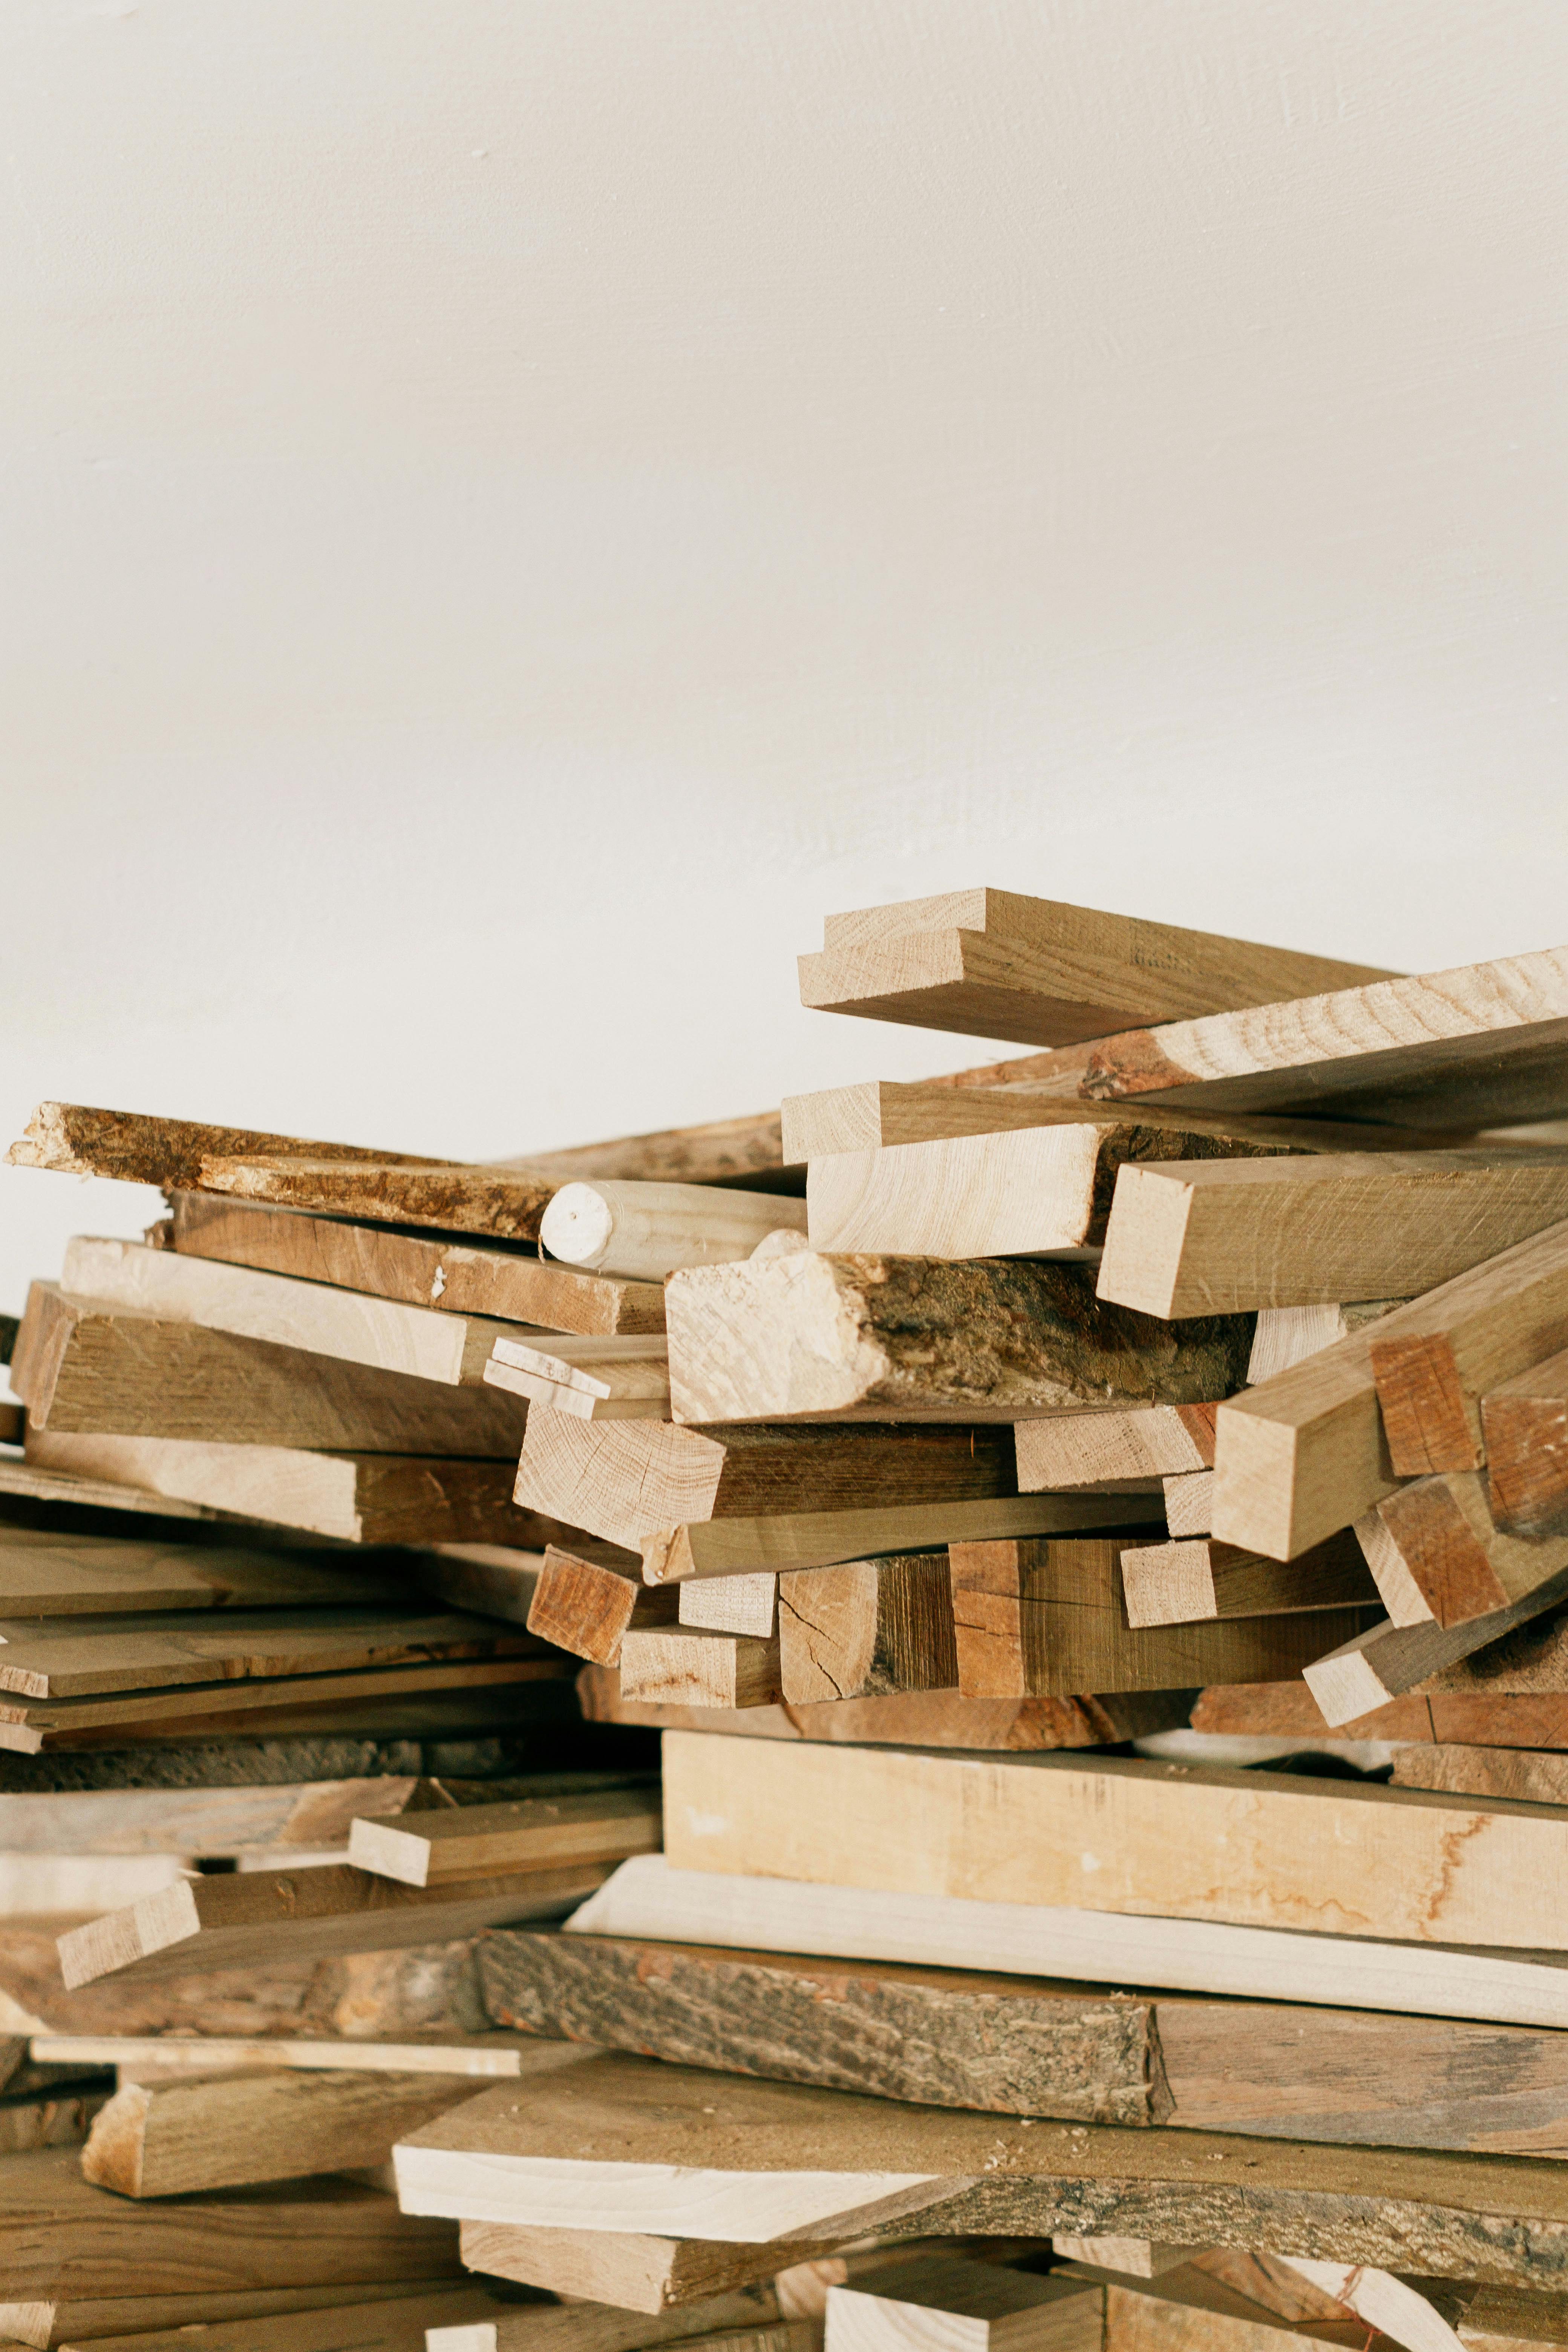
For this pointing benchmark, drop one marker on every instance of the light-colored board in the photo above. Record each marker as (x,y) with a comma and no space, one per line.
(1388,1660)
(405,2323)
(59,2323)
(717,1151)
(1439,1556)
(680,2280)
(626,2143)
(668,1666)
(653,1899)
(600,1391)
(147,2058)
(118,1370)
(866,1628)
(1502,1700)
(502,1204)
(431,1849)
(1189,1503)
(1181,1582)
(948,2303)
(60,2237)
(1132,1448)
(1158,2319)
(495,1580)
(30,1482)
(591,1594)
(995,963)
(48,1574)
(730,1604)
(1047,1618)
(1524,1429)
(623,1484)
(1126,1835)
(647,1231)
(918,1718)
(593,2329)
(306,1817)
(458,1278)
(131,1653)
(898,1339)
(1287,1336)
(1030,1191)
(358,1497)
(1530,1776)
(317,1317)
(1213,1236)
(1481,1045)
(1306,1453)
(808,1540)
(225,1922)
(137,1148)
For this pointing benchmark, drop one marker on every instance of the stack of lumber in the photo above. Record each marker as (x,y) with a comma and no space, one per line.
(1091,1535)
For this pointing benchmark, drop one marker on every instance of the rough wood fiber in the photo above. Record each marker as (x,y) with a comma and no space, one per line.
(1480,1045)
(139,1150)
(868,1629)
(1131,1448)
(458,1278)
(623,1483)
(1122,1834)
(643,2141)
(1182,1582)
(1524,1429)
(502,1204)
(993,964)
(898,1339)
(1213,1235)
(1047,1618)
(590,1596)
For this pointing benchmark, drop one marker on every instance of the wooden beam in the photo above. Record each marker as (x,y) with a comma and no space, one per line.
(1134,1836)
(1479,1045)
(65,2322)
(672,1667)
(430,1849)
(634,2142)
(1049,1617)
(993,964)
(1306,1453)
(590,1595)
(29,1482)
(1132,1449)
(322,1909)
(1180,1583)
(891,1339)
(376,1499)
(44,1574)
(502,1204)
(60,2237)
(1206,1235)
(624,1482)
(647,1231)
(420,1342)
(1439,1556)
(964,2305)
(156,2058)
(141,1150)
(1096,1950)
(730,1604)
(132,1653)
(495,1580)
(1524,1429)
(1532,1776)
(458,1277)
(694,2280)
(231,2131)
(866,1628)
(1388,1660)
(808,1539)
(1287,1336)
(915,1718)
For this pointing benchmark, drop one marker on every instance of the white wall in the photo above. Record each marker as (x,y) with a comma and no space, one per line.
(512,511)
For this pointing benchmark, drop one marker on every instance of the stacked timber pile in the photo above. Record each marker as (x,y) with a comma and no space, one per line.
(1092,1533)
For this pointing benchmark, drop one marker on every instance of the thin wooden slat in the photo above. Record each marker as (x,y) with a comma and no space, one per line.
(405,2323)
(1439,1556)
(131,1653)
(1132,1449)
(501,1202)
(62,2322)
(1524,1429)
(44,1574)
(78,1140)
(1182,1582)
(806,1539)
(430,1849)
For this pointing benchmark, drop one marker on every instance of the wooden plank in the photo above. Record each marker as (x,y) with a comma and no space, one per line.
(1480,1045)
(1501,2319)
(631,1390)
(866,1628)
(652,1899)
(60,2237)
(1131,1448)
(43,1574)
(233,2131)
(808,1539)
(647,1231)
(420,1342)
(1208,1235)
(377,1498)
(1156,2319)
(306,1816)
(730,1604)
(129,1654)
(63,2323)
(946,2303)
(1189,1503)
(28,1483)
(458,1277)
(631,2141)
(150,2058)
(141,1150)
(501,1203)
(594,2329)
(993,963)
(497,1580)
(322,1909)
(671,1667)
(1306,1453)
(1049,1617)
(897,1339)
(430,1849)
(917,1718)
(1132,1836)
(1388,1660)
(1529,1775)
(622,1483)
(1030,1191)
(681,2277)
(422,1703)
(1524,1431)
(405,2323)
(1464,1704)
(121,1372)
(715,1151)
(590,1594)
(1287,1336)
(1180,1583)
(1439,1556)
